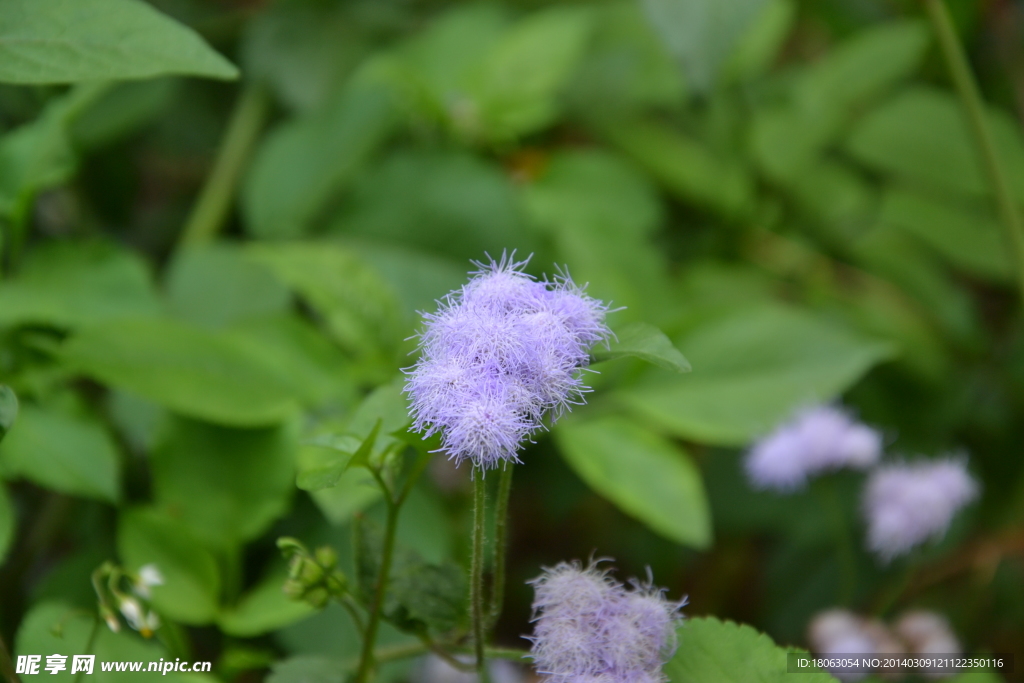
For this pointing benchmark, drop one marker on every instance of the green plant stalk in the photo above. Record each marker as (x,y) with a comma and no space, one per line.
(500,545)
(214,202)
(366,660)
(476,575)
(970,97)
(90,644)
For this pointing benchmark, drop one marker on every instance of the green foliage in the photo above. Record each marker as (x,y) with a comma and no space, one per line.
(647,343)
(8,409)
(65,41)
(8,523)
(647,476)
(263,609)
(708,650)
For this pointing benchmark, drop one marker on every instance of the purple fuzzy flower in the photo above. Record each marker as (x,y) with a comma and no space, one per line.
(499,355)
(589,627)
(906,504)
(817,440)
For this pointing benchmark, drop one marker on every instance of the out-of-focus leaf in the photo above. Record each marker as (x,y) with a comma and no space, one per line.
(708,651)
(263,609)
(759,45)
(684,165)
(217,285)
(8,522)
(67,284)
(752,369)
(353,492)
(645,475)
(39,154)
(65,41)
(419,278)
(971,240)
(702,34)
(646,342)
(196,373)
(303,50)
(227,485)
(922,135)
(121,111)
(309,669)
(427,597)
(357,306)
(36,636)
(787,138)
(348,452)
(68,453)
(835,196)
(8,409)
(305,161)
(450,203)
(513,89)
(191,589)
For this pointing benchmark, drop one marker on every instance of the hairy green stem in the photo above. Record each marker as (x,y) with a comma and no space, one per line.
(211,208)
(500,545)
(366,661)
(476,576)
(970,97)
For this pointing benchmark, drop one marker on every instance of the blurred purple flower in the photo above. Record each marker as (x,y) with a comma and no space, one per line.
(906,504)
(589,627)
(817,440)
(499,355)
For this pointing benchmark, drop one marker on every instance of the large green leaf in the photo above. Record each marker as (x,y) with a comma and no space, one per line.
(713,651)
(8,522)
(702,34)
(752,369)
(922,135)
(191,589)
(647,476)
(64,41)
(263,609)
(191,371)
(227,485)
(66,284)
(62,451)
(645,342)
(304,162)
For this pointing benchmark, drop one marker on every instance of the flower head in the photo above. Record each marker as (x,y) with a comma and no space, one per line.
(497,357)
(589,627)
(149,576)
(817,440)
(906,504)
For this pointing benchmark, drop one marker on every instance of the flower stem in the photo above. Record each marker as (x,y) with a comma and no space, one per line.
(211,208)
(366,660)
(500,545)
(967,88)
(476,579)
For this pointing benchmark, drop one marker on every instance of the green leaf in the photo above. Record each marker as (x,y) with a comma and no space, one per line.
(647,343)
(263,609)
(65,452)
(514,87)
(304,162)
(453,204)
(760,44)
(713,651)
(427,597)
(753,368)
(65,41)
(8,522)
(227,485)
(971,240)
(684,165)
(191,589)
(702,34)
(356,305)
(309,669)
(8,409)
(36,636)
(67,284)
(343,452)
(191,371)
(354,491)
(921,135)
(216,285)
(645,475)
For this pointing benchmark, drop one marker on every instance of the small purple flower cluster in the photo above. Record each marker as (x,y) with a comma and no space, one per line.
(817,440)
(905,504)
(589,627)
(499,355)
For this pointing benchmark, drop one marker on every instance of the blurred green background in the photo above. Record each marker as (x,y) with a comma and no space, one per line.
(200,274)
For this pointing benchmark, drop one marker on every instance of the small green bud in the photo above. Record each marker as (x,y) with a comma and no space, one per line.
(326,557)
(310,573)
(337,583)
(318,597)
(294,589)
